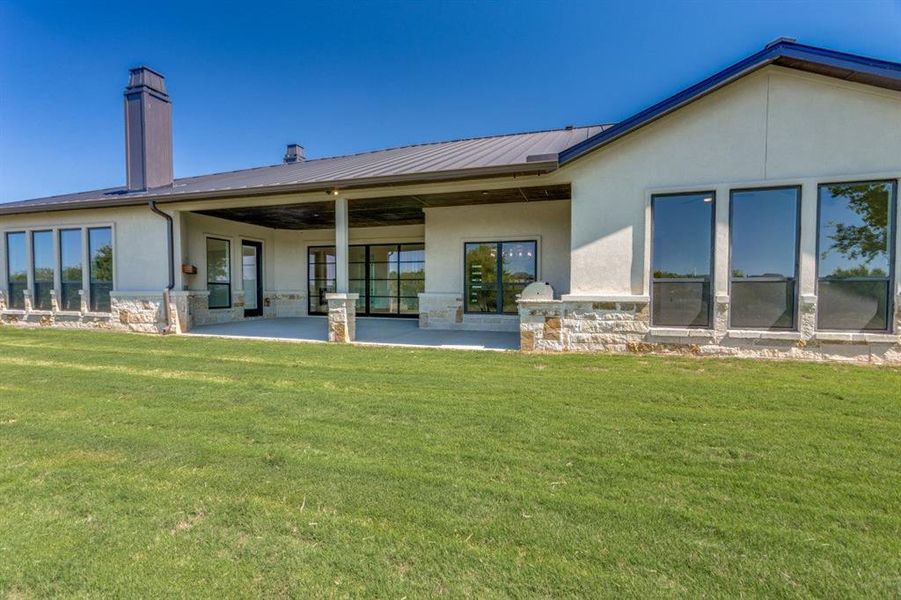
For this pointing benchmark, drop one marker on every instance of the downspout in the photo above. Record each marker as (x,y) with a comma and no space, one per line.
(171,245)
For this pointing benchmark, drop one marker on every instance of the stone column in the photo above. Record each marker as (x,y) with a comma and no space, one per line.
(342,317)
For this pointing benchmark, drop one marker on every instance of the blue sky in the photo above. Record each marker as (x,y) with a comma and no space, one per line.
(247,78)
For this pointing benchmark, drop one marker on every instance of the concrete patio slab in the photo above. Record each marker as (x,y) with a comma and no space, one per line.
(372,331)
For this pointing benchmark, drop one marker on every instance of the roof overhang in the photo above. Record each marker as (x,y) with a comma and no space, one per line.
(116,199)
(786,53)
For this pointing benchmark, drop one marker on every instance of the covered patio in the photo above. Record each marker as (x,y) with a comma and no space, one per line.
(371,331)
(384,270)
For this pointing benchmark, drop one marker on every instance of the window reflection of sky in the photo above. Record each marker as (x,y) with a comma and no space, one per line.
(764,232)
(682,234)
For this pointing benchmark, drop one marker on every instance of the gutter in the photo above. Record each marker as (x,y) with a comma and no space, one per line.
(167,293)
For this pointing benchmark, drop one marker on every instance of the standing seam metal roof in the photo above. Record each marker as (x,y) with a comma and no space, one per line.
(456,157)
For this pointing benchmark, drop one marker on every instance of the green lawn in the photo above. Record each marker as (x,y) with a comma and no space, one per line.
(159,467)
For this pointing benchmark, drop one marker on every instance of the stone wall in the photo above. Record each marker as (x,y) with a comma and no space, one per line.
(445,311)
(282,304)
(141,312)
(620,326)
(193,307)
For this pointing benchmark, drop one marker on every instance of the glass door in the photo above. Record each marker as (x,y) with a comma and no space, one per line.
(388,278)
(252,274)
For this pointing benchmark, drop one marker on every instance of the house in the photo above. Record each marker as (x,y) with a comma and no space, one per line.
(752,214)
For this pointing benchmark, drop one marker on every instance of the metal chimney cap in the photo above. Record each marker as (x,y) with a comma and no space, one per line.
(294,153)
(145,77)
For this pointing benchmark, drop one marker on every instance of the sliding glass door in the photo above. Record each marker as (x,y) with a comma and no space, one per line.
(388,278)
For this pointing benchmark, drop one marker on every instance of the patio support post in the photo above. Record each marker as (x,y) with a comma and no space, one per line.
(341,246)
(342,305)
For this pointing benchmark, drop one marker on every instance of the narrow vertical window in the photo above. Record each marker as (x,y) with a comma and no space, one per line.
(764,238)
(855,256)
(16,270)
(682,259)
(411,268)
(496,273)
(322,273)
(44,267)
(383,281)
(218,272)
(70,260)
(100,247)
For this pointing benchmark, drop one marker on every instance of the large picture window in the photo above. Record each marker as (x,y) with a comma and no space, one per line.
(855,255)
(496,273)
(43,263)
(682,259)
(387,277)
(16,270)
(218,272)
(764,257)
(70,260)
(100,247)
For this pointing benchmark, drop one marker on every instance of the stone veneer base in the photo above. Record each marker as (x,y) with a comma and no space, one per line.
(445,311)
(143,312)
(598,326)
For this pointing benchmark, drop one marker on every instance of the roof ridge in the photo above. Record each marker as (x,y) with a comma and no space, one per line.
(401,147)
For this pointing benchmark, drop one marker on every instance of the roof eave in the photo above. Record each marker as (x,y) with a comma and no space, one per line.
(796,56)
(530,168)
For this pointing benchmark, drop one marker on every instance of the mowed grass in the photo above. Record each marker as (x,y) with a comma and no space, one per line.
(166,467)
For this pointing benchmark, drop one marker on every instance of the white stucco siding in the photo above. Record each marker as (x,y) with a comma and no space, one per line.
(139,241)
(776,126)
(446,230)
(200,227)
(284,251)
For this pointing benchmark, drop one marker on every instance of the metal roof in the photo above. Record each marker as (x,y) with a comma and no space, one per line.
(784,52)
(534,152)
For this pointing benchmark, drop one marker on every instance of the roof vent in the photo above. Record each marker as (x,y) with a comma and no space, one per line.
(294,154)
(568,128)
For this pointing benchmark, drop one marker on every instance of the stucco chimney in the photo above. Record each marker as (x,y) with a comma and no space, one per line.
(148,131)
(294,153)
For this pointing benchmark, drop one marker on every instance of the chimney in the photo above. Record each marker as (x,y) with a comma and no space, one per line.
(148,131)
(294,154)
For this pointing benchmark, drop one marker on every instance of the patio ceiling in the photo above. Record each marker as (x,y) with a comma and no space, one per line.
(374,212)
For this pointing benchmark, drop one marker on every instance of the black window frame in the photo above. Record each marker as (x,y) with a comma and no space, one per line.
(11,302)
(63,296)
(892,241)
(36,284)
(93,304)
(500,270)
(796,296)
(366,264)
(229,270)
(712,278)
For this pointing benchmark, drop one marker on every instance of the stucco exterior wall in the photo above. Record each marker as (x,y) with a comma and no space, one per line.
(776,126)
(284,263)
(139,242)
(447,229)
